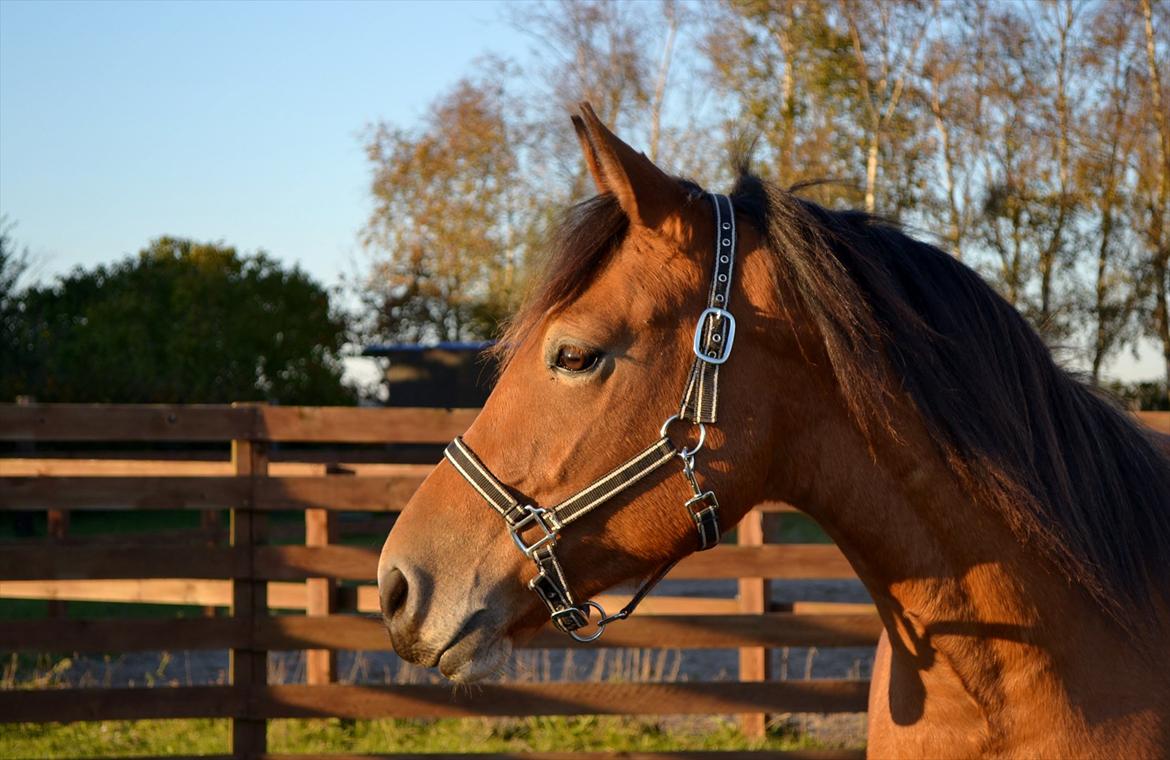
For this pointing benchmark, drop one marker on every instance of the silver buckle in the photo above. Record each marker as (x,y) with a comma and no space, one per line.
(702,502)
(723,350)
(537,516)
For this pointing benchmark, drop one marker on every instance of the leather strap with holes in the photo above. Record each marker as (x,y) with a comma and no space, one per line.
(716,329)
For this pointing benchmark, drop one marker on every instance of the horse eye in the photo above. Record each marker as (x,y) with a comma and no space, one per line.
(575,359)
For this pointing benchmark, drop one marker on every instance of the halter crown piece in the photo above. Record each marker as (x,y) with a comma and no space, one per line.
(714,336)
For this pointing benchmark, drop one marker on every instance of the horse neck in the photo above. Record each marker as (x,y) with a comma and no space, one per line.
(960,597)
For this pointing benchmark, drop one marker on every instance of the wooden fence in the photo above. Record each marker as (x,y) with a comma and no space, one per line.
(253,576)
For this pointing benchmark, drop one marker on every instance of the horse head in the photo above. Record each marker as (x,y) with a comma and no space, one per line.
(591,368)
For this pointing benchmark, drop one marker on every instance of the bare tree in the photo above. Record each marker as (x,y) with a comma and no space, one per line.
(1109,135)
(954,85)
(671,12)
(1058,24)
(1156,185)
(602,52)
(778,60)
(886,38)
(1011,159)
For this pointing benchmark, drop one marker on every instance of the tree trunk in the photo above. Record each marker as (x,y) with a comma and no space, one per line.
(1101,344)
(871,167)
(944,137)
(787,101)
(1051,252)
(1162,315)
(660,84)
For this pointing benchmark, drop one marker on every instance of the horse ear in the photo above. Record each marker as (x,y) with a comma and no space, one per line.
(646,193)
(590,153)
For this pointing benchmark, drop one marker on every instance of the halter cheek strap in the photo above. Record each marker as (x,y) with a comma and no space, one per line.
(715,332)
(535,530)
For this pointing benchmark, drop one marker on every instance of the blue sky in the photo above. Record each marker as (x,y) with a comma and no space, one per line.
(120,122)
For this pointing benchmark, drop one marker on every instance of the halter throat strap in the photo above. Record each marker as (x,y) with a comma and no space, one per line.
(535,530)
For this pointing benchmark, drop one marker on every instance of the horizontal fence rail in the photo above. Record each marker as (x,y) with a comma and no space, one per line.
(353,563)
(237,569)
(255,422)
(775,629)
(285,595)
(437,701)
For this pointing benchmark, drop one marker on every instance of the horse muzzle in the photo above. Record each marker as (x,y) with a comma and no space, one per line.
(466,642)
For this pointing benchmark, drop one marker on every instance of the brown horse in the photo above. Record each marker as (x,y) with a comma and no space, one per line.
(1011,525)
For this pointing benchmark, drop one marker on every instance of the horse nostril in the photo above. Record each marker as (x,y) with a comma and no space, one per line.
(391,590)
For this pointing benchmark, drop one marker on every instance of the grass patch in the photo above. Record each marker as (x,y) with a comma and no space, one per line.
(110,737)
(541,734)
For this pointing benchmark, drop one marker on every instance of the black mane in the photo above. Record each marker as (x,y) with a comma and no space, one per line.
(1072,474)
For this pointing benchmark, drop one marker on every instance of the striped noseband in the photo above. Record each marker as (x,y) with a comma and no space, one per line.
(536,530)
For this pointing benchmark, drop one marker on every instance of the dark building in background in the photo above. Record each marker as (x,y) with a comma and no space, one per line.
(440,375)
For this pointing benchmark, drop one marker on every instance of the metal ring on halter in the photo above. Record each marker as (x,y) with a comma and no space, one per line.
(601,622)
(686,453)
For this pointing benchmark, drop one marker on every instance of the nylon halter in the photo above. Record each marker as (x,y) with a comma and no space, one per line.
(714,336)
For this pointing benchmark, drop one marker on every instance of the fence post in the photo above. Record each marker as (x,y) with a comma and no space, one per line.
(249,666)
(57,527)
(320,596)
(753,598)
(210,524)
